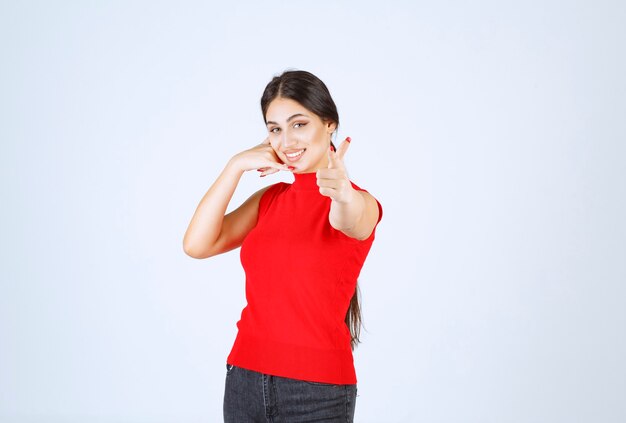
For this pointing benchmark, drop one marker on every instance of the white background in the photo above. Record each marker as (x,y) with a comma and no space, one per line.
(493,134)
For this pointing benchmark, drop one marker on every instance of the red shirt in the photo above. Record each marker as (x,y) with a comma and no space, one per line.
(300,276)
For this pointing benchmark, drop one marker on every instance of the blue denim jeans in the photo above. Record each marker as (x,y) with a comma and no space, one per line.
(251,396)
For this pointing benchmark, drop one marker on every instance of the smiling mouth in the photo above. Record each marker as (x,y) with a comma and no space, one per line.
(295,156)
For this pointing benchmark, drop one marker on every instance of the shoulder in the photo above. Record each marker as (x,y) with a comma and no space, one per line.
(269,194)
(275,189)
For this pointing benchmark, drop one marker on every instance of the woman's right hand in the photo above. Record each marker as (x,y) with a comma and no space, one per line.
(262,157)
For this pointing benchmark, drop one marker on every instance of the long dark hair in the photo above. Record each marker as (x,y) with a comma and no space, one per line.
(308,90)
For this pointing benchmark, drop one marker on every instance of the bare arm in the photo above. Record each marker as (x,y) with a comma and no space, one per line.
(353,212)
(357,216)
(210,232)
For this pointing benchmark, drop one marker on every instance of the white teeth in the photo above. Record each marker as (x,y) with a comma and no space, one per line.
(294,155)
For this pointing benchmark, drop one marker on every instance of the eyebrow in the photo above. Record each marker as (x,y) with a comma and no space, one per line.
(291,117)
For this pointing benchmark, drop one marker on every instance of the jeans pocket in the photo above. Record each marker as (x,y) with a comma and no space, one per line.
(320,383)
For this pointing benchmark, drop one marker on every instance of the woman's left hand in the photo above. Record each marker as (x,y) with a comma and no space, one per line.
(333,181)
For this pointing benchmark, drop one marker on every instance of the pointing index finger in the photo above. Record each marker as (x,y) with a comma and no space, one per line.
(343,148)
(332,158)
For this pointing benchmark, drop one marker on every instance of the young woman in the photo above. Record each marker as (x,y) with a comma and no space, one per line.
(302,248)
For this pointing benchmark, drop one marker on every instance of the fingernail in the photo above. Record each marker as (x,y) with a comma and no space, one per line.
(262,175)
(348,139)
(259,170)
(332,148)
(291,168)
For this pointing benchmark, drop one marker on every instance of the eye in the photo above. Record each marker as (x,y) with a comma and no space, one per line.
(302,124)
(273,130)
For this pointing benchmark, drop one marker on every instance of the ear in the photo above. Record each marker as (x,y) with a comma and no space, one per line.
(331,126)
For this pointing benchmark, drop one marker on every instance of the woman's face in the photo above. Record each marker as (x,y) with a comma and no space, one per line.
(299,137)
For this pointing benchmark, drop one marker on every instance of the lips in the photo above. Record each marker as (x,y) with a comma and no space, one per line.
(294,155)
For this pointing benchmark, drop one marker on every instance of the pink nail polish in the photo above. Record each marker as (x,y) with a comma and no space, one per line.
(291,168)
(332,148)
(348,139)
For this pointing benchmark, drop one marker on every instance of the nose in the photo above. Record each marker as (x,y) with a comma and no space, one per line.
(287,140)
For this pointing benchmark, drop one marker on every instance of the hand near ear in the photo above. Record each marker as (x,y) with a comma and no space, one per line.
(333,181)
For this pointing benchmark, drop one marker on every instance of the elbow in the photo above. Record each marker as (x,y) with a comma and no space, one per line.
(189,251)
(202,249)
(195,252)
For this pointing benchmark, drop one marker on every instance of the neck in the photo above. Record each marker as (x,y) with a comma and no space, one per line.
(305,181)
